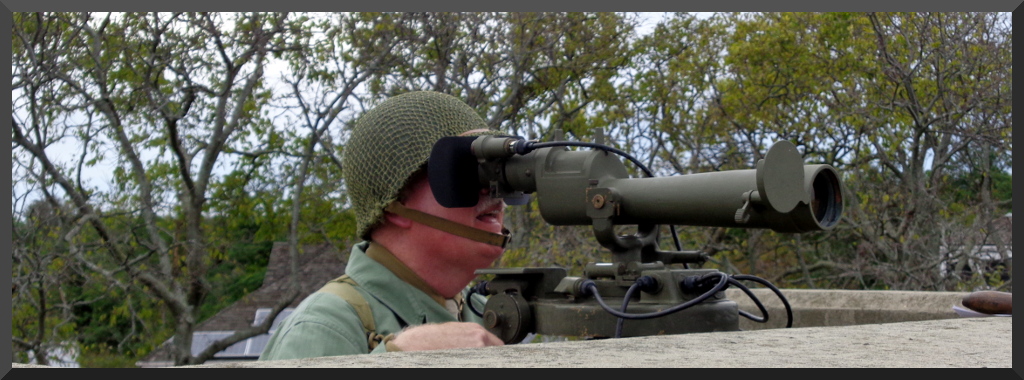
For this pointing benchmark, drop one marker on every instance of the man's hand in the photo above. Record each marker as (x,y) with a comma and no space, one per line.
(445,335)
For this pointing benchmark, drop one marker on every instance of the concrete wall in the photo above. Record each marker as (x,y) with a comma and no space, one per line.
(812,308)
(945,343)
(832,328)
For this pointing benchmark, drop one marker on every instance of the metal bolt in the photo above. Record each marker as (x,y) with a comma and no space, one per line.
(491,319)
(598,201)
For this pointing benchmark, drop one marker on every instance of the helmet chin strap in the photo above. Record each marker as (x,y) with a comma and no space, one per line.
(451,227)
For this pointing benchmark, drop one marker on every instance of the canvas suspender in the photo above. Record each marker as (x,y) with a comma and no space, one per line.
(344,287)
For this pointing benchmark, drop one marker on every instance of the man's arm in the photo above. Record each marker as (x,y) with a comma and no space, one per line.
(445,335)
(450,334)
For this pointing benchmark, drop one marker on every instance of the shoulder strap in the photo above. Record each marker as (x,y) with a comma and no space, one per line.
(345,287)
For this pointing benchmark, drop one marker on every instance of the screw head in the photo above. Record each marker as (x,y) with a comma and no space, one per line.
(491,319)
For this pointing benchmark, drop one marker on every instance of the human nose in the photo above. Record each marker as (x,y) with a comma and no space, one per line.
(485,195)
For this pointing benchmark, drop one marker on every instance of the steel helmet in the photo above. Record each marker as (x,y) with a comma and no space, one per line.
(392,141)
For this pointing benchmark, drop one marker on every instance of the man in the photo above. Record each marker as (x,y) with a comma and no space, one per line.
(411,272)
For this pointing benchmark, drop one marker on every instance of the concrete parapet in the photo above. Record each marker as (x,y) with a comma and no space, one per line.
(961,342)
(817,307)
(838,328)
(834,328)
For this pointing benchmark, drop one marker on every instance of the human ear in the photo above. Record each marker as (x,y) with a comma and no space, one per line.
(398,221)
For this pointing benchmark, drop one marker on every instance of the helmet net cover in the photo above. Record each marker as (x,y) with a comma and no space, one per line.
(391,142)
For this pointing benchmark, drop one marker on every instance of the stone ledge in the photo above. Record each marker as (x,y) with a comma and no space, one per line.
(816,307)
(961,342)
(834,328)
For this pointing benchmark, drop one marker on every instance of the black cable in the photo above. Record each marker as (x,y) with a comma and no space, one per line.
(531,145)
(675,238)
(480,287)
(723,281)
(757,302)
(789,310)
(679,247)
(625,302)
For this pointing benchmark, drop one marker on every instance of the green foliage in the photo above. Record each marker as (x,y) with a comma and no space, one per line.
(967,187)
(239,273)
(104,357)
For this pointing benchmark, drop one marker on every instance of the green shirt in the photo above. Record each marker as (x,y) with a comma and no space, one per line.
(325,325)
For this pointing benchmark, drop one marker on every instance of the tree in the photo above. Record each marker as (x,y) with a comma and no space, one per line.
(168,94)
(342,53)
(42,316)
(945,79)
(895,101)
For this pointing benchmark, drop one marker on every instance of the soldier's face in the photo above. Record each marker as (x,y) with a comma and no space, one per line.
(487,215)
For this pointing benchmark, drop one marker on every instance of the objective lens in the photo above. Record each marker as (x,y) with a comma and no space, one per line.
(826,198)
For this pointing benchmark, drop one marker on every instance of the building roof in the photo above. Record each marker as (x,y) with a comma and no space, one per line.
(317,265)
